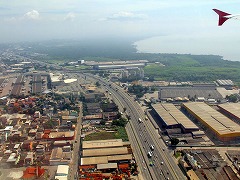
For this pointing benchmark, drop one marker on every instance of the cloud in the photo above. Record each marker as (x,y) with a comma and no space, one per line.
(34,15)
(10,19)
(70,17)
(125,16)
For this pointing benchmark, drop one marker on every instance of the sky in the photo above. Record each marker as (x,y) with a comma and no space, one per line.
(173,26)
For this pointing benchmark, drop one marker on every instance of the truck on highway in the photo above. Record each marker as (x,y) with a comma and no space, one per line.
(150,154)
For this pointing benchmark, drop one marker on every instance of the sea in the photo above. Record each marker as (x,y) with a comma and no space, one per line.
(188,45)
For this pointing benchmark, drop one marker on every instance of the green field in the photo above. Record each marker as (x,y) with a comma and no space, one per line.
(103,135)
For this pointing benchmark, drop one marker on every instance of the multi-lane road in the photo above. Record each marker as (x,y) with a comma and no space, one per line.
(143,135)
(74,164)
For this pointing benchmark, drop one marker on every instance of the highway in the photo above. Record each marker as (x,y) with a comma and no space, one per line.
(74,164)
(143,135)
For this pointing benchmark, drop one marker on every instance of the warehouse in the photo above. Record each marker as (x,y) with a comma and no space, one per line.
(224,128)
(171,117)
(189,92)
(102,144)
(231,109)
(105,151)
(105,159)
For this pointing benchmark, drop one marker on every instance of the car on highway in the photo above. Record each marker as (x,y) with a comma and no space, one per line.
(151,163)
(150,154)
(152,147)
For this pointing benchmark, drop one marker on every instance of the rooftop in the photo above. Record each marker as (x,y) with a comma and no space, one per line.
(171,115)
(105,151)
(102,143)
(221,124)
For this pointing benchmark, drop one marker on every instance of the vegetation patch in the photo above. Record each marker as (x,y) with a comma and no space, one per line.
(121,134)
(177,154)
(117,133)
(100,136)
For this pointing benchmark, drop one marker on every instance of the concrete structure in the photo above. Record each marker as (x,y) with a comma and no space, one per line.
(58,157)
(224,128)
(58,136)
(62,172)
(171,117)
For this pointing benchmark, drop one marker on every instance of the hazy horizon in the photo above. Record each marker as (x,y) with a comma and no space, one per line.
(166,27)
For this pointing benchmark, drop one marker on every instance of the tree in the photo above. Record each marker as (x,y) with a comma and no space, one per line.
(97,84)
(102,122)
(119,122)
(232,98)
(174,141)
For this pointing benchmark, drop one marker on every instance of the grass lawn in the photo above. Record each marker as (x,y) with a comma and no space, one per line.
(119,134)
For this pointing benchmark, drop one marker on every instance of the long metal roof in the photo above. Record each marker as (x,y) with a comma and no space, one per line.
(173,116)
(233,108)
(104,159)
(214,119)
(102,143)
(105,151)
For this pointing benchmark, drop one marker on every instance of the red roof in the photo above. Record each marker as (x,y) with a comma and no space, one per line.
(123,166)
(32,172)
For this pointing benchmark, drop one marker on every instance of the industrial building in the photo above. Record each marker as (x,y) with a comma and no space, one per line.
(62,172)
(202,164)
(171,117)
(208,92)
(231,110)
(224,128)
(227,83)
(105,156)
(116,64)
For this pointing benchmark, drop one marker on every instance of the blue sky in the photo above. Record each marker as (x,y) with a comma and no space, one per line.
(186,26)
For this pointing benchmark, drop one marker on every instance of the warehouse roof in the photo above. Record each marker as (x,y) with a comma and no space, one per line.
(62,170)
(215,120)
(107,166)
(102,143)
(105,151)
(233,108)
(172,116)
(104,159)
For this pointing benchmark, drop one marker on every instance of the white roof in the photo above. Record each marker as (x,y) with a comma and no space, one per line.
(62,170)
(61,177)
(8,128)
(16,146)
(69,80)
